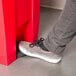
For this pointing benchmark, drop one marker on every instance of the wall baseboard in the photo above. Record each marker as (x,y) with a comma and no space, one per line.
(51,7)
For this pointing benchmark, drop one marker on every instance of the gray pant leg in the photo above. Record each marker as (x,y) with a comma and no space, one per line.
(64,30)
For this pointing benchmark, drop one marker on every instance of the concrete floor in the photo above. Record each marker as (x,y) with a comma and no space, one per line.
(27,66)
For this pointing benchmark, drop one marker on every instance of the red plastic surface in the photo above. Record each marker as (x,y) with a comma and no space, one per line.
(27,17)
(23,15)
(7,32)
(19,19)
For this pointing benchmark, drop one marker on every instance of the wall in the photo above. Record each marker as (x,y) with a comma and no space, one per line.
(58,4)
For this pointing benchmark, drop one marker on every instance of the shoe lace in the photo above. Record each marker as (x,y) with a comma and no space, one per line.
(36,43)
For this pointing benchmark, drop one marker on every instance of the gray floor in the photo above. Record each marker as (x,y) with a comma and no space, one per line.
(27,66)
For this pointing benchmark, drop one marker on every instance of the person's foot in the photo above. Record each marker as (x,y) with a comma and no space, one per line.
(35,50)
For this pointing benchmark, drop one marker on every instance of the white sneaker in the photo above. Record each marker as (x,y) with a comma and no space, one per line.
(37,52)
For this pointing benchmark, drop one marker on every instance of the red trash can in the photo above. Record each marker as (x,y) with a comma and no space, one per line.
(19,20)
